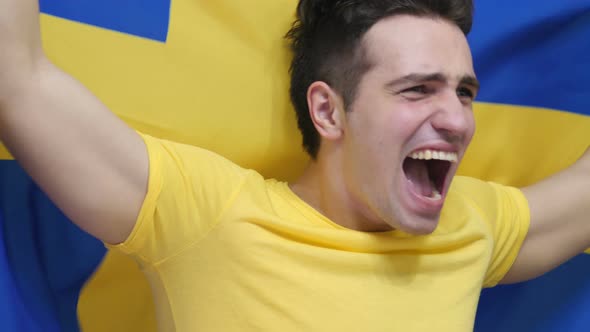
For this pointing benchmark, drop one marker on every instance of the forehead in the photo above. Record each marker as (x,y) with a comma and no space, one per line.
(405,44)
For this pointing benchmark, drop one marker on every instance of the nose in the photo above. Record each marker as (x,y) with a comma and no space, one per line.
(453,118)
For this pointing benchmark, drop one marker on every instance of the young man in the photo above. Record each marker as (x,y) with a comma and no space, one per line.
(383,92)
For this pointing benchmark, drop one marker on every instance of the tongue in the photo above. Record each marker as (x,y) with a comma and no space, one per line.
(417,174)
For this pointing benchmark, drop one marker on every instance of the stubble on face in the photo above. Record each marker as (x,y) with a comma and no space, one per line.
(385,123)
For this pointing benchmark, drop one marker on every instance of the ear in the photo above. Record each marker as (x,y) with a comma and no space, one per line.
(326,110)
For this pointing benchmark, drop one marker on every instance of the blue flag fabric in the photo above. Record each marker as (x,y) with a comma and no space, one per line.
(44,259)
(142,18)
(536,53)
(533,53)
(14,312)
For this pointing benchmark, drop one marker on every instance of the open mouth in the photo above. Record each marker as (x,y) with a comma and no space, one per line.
(427,171)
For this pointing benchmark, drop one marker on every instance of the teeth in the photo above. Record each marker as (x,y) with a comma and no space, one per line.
(436,195)
(433,154)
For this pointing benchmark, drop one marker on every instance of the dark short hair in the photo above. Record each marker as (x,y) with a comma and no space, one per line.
(326,43)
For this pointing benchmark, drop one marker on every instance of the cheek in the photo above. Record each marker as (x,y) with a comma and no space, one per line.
(382,134)
(403,124)
(471,127)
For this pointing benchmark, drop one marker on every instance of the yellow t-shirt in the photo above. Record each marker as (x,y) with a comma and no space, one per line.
(226,250)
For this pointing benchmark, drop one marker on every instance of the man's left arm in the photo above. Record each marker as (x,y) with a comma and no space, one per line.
(560,222)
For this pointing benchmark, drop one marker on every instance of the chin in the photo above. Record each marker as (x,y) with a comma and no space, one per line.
(419,225)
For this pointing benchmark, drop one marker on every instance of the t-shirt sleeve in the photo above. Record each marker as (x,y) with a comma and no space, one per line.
(188,190)
(510,229)
(507,215)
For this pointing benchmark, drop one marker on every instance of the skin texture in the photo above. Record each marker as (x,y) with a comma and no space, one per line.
(417,94)
(560,222)
(88,161)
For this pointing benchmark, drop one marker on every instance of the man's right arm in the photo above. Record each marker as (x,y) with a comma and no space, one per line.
(92,165)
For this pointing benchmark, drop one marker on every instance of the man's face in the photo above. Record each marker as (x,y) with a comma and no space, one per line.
(410,122)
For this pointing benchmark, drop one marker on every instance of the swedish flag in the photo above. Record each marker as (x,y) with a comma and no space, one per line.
(187,70)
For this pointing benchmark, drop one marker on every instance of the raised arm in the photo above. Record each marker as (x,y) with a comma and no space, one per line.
(89,162)
(560,222)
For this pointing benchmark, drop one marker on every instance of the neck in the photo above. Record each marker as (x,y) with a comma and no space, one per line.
(323,187)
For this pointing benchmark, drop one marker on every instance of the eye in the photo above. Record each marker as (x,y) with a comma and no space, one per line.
(465,93)
(420,89)
(417,92)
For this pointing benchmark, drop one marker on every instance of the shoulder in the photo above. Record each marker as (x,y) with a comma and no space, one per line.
(490,200)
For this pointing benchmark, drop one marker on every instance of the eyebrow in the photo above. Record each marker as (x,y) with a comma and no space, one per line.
(434,77)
